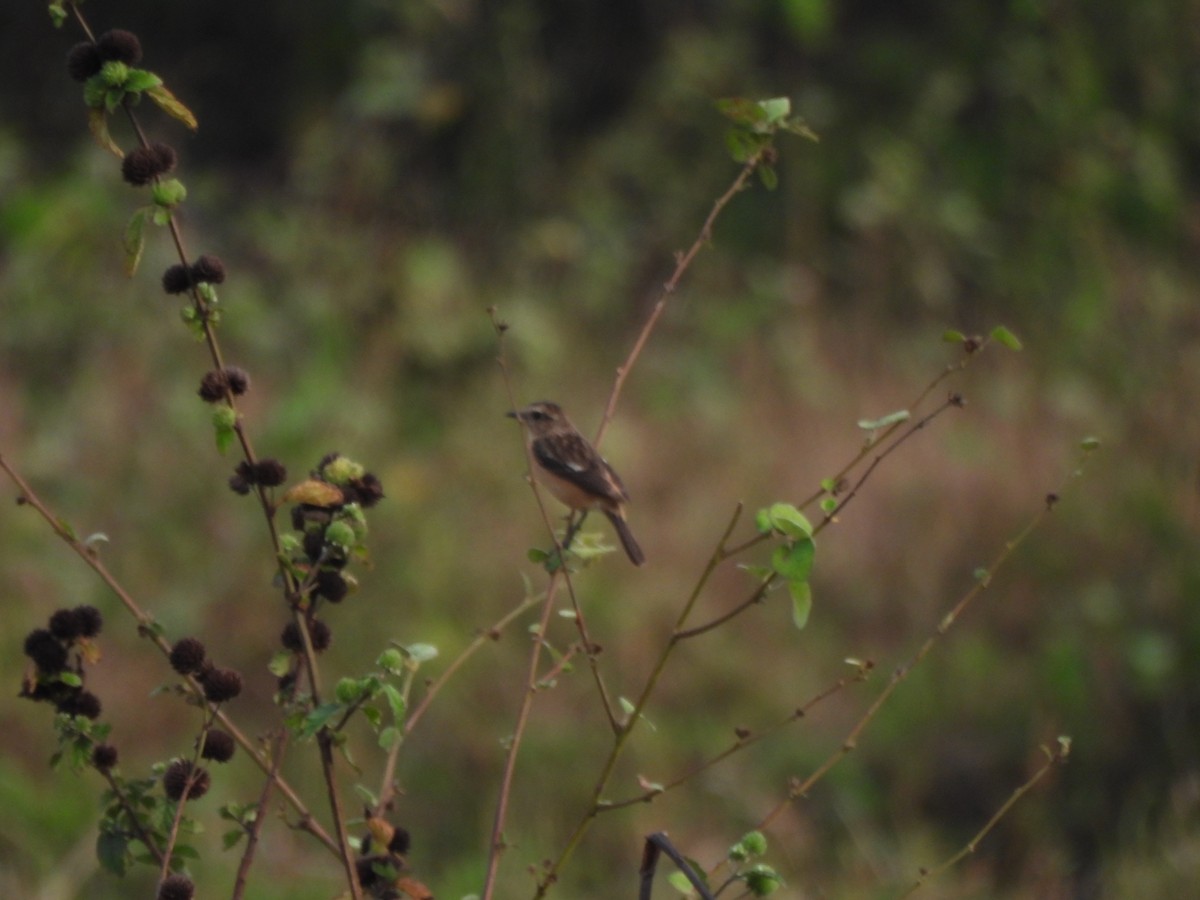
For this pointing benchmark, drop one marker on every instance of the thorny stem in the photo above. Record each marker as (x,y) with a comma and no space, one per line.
(682,262)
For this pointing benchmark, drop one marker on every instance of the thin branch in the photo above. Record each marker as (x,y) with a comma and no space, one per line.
(1055,757)
(744,740)
(260,816)
(682,262)
(797,788)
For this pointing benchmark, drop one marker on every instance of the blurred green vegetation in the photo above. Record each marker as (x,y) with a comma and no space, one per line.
(376,175)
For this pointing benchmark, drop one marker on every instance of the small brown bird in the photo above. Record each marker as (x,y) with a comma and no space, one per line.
(573,471)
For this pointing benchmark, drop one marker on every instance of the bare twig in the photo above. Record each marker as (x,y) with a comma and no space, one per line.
(1057,756)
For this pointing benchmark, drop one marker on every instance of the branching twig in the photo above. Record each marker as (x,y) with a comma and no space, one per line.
(798,788)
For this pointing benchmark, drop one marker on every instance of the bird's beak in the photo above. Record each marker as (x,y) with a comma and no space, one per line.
(513,414)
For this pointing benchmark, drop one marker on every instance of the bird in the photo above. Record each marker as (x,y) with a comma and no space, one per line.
(573,471)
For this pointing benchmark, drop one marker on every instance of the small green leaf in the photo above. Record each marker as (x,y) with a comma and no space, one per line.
(742,144)
(112,850)
(395,702)
(224,419)
(420,653)
(829,505)
(58,15)
(230,839)
(626,705)
(134,241)
(1090,443)
(776,109)
(794,561)
(768,176)
(169,193)
(319,718)
(900,415)
(98,126)
(950,336)
(801,593)
(741,110)
(761,880)
(390,738)
(141,80)
(114,73)
(1006,337)
(70,679)
(680,882)
(786,519)
(171,105)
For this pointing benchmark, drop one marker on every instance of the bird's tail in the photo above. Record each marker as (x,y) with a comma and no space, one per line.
(632,550)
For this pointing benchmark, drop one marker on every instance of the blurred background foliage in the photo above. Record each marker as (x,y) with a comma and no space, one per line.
(375,175)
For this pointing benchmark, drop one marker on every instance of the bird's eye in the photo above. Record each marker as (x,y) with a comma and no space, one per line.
(538,415)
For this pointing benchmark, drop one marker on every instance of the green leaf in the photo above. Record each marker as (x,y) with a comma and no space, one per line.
(829,505)
(900,415)
(786,519)
(140,80)
(134,241)
(114,74)
(98,126)
(224,418)
(58,15)
(799,127)
(230,839)
(170,104)
(1090,443)
(741,110)
(420,653)
(280,664)
(169,193)
(801,593)
(1006,337)
(112,850)
(70,679)
(742,144)
(950,336)
(768,176)
(390,737)
(776,109)
(626,705)
(395,702)
(794,561)
(680,882)
(319,718)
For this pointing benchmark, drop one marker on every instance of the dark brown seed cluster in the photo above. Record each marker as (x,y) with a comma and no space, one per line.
(184,779)
(121,46)
(57,654)
(176,887)
(220,685)
(188,656)
(143,164)
(104,757)
(218,745)
(215,383)
(180,278)
(267,472)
